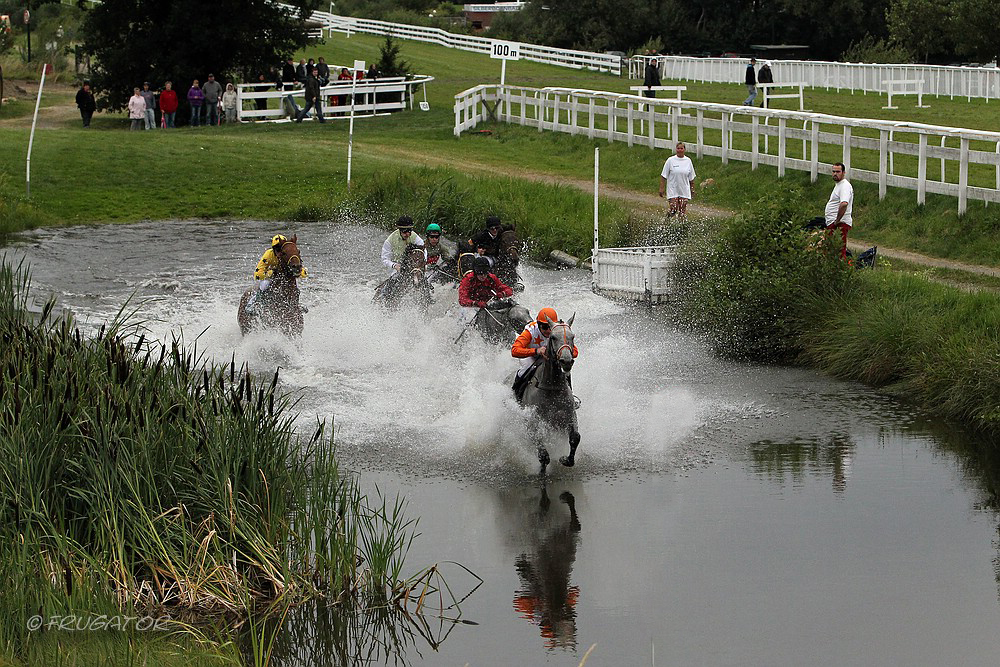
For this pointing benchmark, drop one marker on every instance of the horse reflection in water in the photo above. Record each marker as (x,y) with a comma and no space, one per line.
(410,284)
(278,306)
(546,596)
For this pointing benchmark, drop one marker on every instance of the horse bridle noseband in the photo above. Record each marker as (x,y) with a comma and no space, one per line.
(564,345)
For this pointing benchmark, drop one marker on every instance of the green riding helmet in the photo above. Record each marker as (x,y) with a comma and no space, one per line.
(434,227)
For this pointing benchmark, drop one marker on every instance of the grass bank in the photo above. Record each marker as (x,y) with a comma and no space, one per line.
(137,480)
(760,288)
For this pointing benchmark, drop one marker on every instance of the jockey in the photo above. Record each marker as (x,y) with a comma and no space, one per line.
(395,244)
(435,253)
(530,347)
(487,242)
(478,287)
(265,268)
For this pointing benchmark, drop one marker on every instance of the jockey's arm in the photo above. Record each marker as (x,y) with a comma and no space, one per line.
(387,257)
(520,349)
(265,266)
(464,298)
(501,290)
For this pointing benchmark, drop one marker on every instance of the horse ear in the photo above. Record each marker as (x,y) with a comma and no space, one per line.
(569,322)
(295,238)
(551,321)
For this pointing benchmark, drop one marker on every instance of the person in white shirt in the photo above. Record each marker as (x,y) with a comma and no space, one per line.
(677,181)
(840,206)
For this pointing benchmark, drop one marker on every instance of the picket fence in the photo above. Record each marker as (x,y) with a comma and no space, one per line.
(938,80)
(755,135)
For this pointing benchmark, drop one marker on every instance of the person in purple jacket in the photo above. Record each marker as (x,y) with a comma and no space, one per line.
(196,99)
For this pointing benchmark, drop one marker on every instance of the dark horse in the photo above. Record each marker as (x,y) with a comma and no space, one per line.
(550,390)
(501,321)
(506,261)
(410,283)
(277,307)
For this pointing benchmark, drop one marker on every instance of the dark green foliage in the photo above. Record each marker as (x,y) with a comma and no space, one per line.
(754,286)
(149,40)
(389,64)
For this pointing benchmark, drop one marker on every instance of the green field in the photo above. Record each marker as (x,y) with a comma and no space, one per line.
(106,174)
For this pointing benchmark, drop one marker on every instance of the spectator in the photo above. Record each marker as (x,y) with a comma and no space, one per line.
(324,71)
(765,76)
(751,81)
(313,98)
(300,72)
(229,101)
(86,102)
(288,79)
(136,110)
(677,181)
(373,72)
(196,99)
(345,75)
(651,78)
(840,207)
(213,91)
(261,102)
(168,104)
(149,97)
(309,67)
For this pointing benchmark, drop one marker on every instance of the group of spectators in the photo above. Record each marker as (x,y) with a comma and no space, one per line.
(210,103)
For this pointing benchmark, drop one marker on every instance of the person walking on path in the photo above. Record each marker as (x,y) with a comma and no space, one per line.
(136,110)
(86,103)
(677,181)
(196,99)
(751,81)
(213,91)
(651,78)
(168,104)
(229,101)
(312,98)
(149,97)
(840,206)
(765,76)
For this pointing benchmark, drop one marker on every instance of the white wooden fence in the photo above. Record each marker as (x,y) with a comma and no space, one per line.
(732,132)
(543,54)
(641,273)
(371,97)
(938,80)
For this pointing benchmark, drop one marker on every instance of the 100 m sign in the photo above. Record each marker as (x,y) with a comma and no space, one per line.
(506,50)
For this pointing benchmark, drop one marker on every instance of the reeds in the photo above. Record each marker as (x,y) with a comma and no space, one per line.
(135,476)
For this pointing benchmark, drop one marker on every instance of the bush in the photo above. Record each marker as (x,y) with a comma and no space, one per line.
(757,283)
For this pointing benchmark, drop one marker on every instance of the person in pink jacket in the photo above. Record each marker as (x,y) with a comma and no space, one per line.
(137,110)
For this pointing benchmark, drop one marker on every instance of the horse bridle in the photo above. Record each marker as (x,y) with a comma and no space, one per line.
(564,345)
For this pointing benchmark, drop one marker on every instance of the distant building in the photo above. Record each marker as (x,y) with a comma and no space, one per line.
(480,16)
(781,51)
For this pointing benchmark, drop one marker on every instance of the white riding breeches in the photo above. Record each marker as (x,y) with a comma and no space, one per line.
(263,284)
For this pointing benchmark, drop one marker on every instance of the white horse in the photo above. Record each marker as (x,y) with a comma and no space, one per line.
(550,390)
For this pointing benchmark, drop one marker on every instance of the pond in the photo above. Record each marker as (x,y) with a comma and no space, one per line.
(719,513)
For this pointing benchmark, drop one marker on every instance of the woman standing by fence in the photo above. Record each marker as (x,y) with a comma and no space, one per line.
(677,181)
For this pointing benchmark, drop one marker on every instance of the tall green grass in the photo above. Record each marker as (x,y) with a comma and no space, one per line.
(137,478)
(759,288)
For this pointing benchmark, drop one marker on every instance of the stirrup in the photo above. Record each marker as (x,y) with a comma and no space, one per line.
(576,402)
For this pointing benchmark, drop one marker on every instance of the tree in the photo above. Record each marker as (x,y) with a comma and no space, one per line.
(974,29)
(920,25)
(132,41)
(388,64)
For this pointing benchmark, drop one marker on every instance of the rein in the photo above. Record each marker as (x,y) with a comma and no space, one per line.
(564,345)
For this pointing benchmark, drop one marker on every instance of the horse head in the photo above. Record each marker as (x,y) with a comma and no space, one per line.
(289,258)
(413,262)
(560,345)
(510,245)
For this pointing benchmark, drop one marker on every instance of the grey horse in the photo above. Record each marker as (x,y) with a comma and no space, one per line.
(550,390)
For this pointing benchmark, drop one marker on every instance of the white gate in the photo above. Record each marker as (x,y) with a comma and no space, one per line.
(637,274)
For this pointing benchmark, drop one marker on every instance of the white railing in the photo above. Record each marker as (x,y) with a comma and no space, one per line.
(734,132)
(371,97)
(631,272)
(938,80)
(543,54)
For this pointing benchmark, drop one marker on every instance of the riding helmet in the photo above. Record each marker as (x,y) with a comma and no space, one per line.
(550,313)
(277,240)
(480,265)
(405,222)
(434,227)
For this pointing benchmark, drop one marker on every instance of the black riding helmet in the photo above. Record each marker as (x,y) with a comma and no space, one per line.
(480,265)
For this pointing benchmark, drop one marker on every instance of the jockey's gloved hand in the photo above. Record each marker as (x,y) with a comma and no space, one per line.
(481,304)
(395,266)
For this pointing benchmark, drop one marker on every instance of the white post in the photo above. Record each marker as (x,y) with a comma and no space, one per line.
(597,245)
(503,72)
(359,65)
(922,170)
(963,176)
(31,139)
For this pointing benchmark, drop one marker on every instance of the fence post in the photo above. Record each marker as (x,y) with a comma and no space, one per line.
(846,159)
(701,131)
(725,139)
(573,114)
(942,160)
(629,123)
(590,123)
(781,147)
(675,129)
(883,156)
(754,135)
(922,170)
(814,158)
(652,128)
(612,118)
(963,176)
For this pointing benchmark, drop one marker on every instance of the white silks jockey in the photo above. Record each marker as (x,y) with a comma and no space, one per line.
(395,245)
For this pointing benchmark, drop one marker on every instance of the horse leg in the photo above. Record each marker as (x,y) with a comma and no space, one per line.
(574,439)
(543,453)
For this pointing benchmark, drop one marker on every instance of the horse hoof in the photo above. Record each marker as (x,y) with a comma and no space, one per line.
(567,461)
(543,456)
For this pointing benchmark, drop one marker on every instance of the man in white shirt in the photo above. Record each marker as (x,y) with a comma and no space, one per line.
(840,206)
